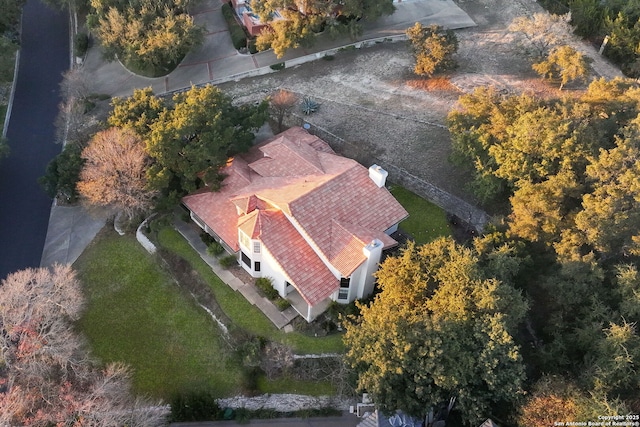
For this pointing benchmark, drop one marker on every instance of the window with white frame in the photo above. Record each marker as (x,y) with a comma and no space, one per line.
(343,293)
(256,247)
(244,240)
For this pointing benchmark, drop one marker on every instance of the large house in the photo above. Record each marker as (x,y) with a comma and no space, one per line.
(314,222)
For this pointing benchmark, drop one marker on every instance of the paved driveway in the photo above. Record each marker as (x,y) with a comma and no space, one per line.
(217,60)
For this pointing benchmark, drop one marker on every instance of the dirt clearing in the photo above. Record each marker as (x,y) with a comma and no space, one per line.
(371,98)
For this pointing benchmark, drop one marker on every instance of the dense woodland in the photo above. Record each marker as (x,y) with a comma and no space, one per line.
(535,321)
(596,19)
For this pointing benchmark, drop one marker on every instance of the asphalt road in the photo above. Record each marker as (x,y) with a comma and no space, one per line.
(24,207)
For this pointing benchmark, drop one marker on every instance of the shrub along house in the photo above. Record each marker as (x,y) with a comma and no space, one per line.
(314,222)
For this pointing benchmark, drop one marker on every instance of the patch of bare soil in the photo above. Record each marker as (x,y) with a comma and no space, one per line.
(371,98)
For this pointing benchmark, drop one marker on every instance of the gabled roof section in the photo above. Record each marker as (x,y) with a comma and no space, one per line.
(347,241)
(348,198)
(248,204)
(251,224)
(306,271)
(288,157)
(325,207)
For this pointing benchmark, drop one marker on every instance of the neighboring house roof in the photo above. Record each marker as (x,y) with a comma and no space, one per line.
(319,203)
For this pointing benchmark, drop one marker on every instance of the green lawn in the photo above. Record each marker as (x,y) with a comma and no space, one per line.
(426,221)
(137,315)
(289,385)
(242,313)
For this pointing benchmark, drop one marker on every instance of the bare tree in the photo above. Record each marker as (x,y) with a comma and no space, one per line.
(75,84)
(542,32)
(46,376)
(281,103)
(114,172)
(71,121)
(276,359)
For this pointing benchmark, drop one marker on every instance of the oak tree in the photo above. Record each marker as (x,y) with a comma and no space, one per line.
(433,48)
(138,111)
(63,173)
(439,328)
(293,23)
(149,35)
(192,140)
(563,64)
(609,221)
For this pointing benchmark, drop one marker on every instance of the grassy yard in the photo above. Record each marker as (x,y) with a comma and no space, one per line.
(426,221)
(243,314)
(136,314)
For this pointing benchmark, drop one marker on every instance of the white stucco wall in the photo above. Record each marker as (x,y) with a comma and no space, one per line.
(389,231)
(270,268)
(373,252)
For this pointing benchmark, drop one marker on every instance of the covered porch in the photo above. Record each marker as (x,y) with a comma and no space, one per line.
(307,311)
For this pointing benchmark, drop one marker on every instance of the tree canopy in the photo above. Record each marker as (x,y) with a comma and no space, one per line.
(567,165)
(189,137)
(563,64)
(433,48)
(113,175)
(10,12)
(195,136)
(294,23)
(439,328)
(541,33)
(63,173)
(151,36)
(569,170)
(46,374)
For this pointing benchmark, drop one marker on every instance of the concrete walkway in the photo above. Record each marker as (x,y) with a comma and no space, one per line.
(71,229)
(279,318)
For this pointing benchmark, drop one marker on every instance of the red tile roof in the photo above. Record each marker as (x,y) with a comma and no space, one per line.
(304,269)
(330,204)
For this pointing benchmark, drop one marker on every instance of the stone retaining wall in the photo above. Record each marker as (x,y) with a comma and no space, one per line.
(285,402)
